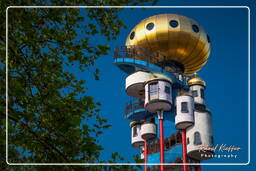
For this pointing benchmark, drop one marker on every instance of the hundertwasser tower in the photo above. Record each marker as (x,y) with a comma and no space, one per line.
(169,117)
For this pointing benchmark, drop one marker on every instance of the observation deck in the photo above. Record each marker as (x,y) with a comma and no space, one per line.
(132,58)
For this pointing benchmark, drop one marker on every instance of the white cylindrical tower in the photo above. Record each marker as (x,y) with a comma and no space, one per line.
(197,87)
(200,135)
(158,93)
(134,83)
(184,111)
(148,131)
(136,139)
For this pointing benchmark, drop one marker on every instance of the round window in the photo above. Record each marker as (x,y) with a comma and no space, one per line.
(174,23)
(150,26)
(132,35)
(195,28)
(208,38)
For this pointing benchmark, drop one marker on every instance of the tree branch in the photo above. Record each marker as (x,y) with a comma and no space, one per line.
(45,144)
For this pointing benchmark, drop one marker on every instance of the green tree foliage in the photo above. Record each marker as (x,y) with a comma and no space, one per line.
(51,117)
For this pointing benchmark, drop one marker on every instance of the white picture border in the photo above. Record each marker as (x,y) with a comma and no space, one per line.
(87,164)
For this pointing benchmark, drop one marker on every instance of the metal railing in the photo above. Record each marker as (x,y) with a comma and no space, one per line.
(174,139)
(132,106)
(148,56)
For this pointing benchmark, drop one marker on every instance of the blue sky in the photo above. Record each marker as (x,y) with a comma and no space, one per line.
(225,74)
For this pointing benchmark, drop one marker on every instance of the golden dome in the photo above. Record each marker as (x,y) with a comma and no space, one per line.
(196,81)
(176,37)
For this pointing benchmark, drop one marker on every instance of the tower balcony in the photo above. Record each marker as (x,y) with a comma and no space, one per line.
(134,110)
(132,58)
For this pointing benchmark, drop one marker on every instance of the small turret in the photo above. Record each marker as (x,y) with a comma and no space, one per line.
(137,140)
(184,111)
(197,87)
(158,93)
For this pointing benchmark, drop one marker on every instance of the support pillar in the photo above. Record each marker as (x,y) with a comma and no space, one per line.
(161,131)
(184,150)
(145,155)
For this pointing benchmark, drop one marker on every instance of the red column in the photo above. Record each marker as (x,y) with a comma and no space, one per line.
(184,150)
(145,155)
(161,143)
(198,168)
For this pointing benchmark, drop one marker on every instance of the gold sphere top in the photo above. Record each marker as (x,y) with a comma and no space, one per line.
(176,37)
(196,81)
